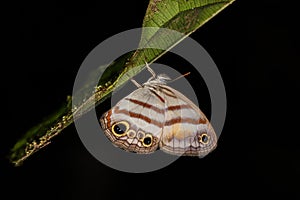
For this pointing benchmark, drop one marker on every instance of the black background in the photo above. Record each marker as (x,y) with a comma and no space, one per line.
(255,46)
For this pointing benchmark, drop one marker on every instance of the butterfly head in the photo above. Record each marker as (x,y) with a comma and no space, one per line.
(160,79)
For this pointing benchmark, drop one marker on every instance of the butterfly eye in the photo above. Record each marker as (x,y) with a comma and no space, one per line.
(120,128)
(147,141)
(203,138)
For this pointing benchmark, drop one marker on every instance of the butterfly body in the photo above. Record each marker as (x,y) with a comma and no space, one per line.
(156,116)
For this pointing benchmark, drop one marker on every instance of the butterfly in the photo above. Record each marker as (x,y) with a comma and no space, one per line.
(156,116)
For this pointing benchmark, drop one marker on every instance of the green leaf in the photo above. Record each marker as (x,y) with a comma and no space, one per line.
(182,16)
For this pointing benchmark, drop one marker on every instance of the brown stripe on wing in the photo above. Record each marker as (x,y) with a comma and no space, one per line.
(179,107)
(139,116)
(157,95)
(164,90)
(167,91)
(146,105)
(185,120)
(156,109)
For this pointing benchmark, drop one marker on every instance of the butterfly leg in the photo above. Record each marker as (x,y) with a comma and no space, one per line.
(136,83)
(150,70)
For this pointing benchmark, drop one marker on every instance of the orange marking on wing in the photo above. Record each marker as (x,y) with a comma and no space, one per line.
(108,119)
(178,133)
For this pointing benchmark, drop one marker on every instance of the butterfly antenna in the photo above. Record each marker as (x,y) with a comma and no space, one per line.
(181,76)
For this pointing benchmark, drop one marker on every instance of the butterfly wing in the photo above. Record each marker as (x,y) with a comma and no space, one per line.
(135,122)
(186,130)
